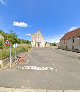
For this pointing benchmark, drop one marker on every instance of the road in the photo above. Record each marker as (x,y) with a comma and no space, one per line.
(44,68)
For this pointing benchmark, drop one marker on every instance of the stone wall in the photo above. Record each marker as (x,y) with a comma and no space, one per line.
(70,45)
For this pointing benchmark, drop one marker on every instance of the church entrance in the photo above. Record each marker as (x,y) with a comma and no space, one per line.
(38,44)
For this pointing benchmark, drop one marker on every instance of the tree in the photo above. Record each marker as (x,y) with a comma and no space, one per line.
(53,44)
(1,44)
(12,37)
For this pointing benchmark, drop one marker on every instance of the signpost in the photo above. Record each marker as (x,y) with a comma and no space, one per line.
(15,46)
(10,56)
(7,43)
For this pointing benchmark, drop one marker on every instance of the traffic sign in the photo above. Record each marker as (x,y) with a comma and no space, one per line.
(15,45)
(7,43)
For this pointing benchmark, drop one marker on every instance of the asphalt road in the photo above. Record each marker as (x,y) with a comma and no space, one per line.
(45,68)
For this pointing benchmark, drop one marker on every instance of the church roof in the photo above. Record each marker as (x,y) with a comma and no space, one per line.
(36,35)
(40,33)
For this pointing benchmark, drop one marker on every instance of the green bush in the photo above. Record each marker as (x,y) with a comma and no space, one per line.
(20,49)
(1,45)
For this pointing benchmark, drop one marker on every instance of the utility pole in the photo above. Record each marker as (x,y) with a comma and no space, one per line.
(2,59)
(15,46)
(10,55)
(2,41)
(15,54)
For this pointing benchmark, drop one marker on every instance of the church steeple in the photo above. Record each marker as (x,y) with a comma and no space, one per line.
(39,31)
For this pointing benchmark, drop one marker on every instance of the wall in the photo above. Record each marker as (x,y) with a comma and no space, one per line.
(70,43)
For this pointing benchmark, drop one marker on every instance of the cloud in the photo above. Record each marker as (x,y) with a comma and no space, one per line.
(3,2)
(28,34)
(20,24)
(72,28)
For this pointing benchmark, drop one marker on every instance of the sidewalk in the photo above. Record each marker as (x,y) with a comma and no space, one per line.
(67,53)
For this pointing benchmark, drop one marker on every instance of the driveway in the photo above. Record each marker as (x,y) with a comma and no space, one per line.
(45,68)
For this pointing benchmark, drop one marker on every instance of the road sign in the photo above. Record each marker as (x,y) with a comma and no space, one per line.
(15,45)
(7,43)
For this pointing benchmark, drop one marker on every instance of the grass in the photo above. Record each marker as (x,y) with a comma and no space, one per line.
(19,49)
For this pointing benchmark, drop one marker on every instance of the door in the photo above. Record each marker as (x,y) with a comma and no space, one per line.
(72,47)
(38,44)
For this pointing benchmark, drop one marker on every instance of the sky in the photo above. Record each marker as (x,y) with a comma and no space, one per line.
(53,18)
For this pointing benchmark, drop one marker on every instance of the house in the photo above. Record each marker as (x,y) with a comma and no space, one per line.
(71,40)
(47,44)
(38,40)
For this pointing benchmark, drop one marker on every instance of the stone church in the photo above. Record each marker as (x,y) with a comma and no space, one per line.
(38,40)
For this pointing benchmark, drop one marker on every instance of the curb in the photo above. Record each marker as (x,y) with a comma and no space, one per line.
(3,89)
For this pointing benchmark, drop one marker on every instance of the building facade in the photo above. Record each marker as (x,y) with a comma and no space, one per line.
(71,40)
(47,44)
(38,40)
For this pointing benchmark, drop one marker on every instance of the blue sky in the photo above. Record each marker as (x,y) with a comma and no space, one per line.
(53,17)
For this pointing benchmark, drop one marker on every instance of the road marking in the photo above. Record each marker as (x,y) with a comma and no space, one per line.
(22,68)
(36,68)
(27,61)
(27,67)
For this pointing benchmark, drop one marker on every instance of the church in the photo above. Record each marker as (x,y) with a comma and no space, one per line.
(38,40)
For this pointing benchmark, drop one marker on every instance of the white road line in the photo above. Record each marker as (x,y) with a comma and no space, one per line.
(36,68)
(22,68)
(27,67)
(27,61)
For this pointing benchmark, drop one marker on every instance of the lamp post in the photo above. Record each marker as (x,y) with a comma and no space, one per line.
(10,55)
